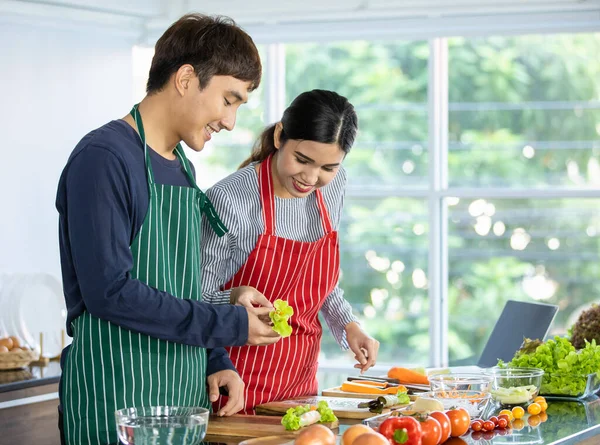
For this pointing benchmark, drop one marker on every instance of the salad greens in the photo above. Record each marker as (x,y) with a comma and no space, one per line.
(280,316)
(566,369)
(293,417)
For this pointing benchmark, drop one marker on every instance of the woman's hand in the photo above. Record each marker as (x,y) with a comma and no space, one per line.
(249,297)
(364,346)
(235,387)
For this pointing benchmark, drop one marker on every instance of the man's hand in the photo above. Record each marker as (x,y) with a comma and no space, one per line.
(364,346)
(249,297)
(235,386)
(260,331)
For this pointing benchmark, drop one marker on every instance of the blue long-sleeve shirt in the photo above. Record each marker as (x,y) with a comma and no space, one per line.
(102,201)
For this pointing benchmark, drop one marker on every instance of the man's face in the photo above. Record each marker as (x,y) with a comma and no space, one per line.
(204,112)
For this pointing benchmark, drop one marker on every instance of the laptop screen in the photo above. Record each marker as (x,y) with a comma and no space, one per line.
(519,319)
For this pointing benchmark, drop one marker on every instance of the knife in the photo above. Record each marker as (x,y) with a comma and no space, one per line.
(392,382)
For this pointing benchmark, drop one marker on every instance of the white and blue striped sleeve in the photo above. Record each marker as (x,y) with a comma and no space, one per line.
(217,251)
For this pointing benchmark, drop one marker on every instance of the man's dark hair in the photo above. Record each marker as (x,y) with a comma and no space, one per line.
(213,45)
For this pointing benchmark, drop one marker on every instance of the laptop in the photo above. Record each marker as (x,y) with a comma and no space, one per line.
(518,319)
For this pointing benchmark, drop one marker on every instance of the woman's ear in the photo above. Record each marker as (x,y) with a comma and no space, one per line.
(277,135)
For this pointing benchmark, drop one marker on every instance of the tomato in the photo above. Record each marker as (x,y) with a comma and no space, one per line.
(543,404)
(543,416)
(477,425)
(508,413)
(494,419)
(534,409)
(488,425)
(431,432)
(505,417)
(502,423)
(403,430)
(444,421)
(459,421)
(518,412)
(539,399)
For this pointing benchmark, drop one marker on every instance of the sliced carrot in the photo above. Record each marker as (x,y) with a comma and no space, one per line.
(368,389)
(405,375)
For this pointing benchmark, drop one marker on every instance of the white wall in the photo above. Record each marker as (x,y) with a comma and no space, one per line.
(57,84)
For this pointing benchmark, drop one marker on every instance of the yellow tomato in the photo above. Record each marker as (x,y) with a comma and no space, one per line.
(543,405)
(508,413)
(539,399)
(543,416)
(518,412)
(534,409)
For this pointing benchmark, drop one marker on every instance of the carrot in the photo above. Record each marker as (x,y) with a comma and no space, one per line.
(368,389)
(405,375)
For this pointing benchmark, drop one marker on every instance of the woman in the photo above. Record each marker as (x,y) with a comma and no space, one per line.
(282,208)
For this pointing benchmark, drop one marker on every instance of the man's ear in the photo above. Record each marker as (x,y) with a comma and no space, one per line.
(277,135)
(183,78)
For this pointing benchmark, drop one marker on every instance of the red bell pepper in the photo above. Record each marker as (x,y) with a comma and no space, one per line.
(402,430)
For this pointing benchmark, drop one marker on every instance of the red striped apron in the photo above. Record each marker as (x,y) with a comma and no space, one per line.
(303,274)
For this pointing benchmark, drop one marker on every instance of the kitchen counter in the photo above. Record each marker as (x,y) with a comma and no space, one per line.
(29,377)
(569,422)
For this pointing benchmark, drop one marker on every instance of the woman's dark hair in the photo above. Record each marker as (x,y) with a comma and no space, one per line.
(317,115)
(214,46)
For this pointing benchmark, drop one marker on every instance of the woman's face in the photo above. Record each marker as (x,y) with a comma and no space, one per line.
(300,167)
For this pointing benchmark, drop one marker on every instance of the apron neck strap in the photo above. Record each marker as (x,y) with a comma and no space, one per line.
(267,199)
(206,206)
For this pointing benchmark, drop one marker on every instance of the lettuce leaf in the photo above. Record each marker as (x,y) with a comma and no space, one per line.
(280,316)
(327,415)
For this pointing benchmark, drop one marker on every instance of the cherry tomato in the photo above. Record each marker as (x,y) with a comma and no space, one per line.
(543,404)
(460,420)
(543,416)
(505,417)
(518,412)
(508,413)
(444,421)
(488,425)
(539,399)
(431,432)
(534,409)
(477,425)
(494,419)
(502,423)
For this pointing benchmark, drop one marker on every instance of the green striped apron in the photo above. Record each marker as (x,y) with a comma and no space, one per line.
(109,367)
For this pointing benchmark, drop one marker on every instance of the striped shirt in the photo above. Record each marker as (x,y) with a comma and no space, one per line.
(237,201)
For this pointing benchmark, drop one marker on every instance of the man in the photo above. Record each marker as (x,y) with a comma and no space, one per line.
(130,215)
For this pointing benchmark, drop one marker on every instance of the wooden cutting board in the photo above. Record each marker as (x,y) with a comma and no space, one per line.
(337,392)
(343,407)
(246,426)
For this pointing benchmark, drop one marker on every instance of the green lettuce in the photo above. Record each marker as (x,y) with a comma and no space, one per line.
(280,316)
(566,369)
(327,415)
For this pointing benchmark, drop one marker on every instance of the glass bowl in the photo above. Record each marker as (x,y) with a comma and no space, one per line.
(461,381)
(162,425)
(569,386)
(475,402)
(515,386)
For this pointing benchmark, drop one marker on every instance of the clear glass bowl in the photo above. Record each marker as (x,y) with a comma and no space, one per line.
(162,425)
(475,402)
(569,386)
(515,386)
(461,381)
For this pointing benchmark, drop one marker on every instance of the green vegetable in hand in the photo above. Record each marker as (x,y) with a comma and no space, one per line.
(304,415)
(280,316)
